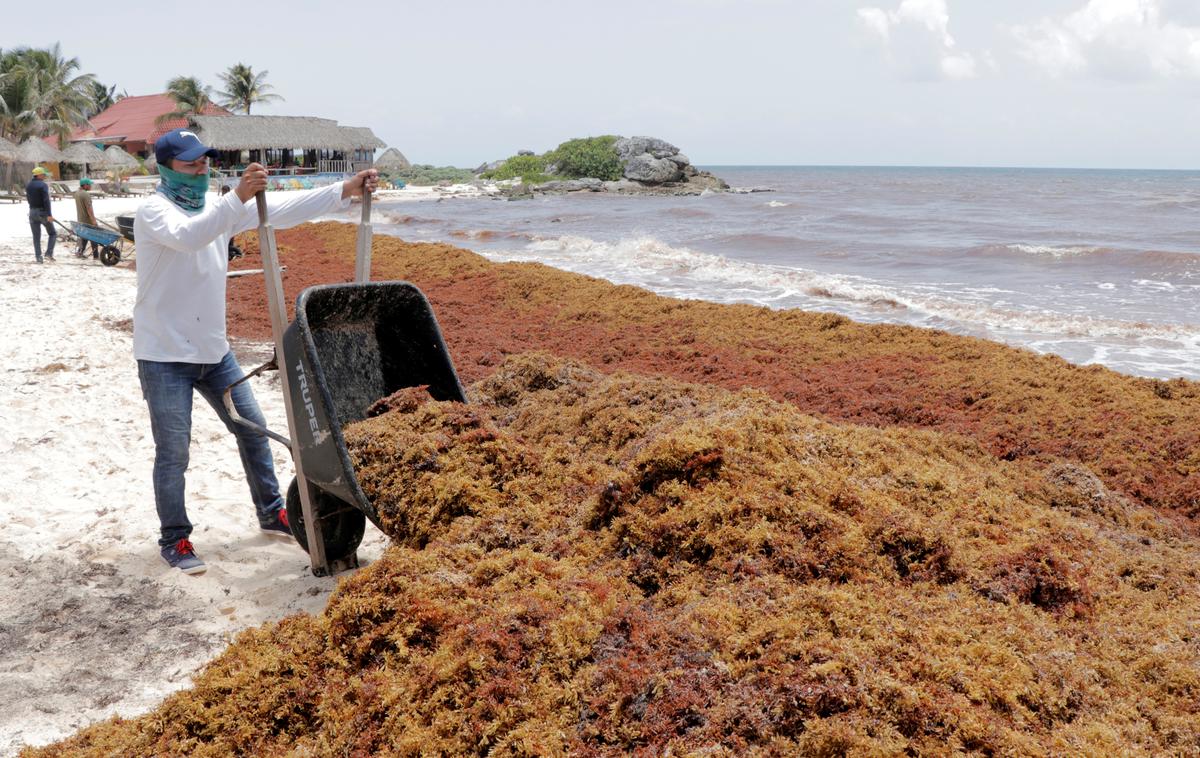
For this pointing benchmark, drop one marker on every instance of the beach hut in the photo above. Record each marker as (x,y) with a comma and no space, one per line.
(392,160)
(8,155)
(85,154)
(35,150)
(288,144)
(8,151)
(119,159)
(120,164)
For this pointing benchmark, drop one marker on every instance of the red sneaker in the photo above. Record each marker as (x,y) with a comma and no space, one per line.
(183,556)
(278,524)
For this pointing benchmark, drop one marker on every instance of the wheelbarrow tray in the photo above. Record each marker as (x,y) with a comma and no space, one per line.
(94,233)
(349,346)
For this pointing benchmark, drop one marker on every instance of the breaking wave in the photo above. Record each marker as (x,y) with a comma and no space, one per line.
(683,272)
(1131,257)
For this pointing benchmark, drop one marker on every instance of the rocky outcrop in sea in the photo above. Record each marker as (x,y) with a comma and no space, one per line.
(650,166)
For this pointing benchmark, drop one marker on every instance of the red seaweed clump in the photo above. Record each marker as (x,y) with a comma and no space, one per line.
(609,564)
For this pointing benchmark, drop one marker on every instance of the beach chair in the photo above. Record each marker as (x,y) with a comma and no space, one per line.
(13,194)
(60,191)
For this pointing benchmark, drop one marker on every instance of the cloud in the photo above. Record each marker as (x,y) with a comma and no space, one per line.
(1113,39)
(916,37)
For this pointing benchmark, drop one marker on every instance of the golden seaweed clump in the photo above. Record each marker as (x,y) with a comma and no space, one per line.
(594,564)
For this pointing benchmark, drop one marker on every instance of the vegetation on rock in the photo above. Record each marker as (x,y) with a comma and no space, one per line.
(426,175)
(530,168)
(587,157)
(593,157)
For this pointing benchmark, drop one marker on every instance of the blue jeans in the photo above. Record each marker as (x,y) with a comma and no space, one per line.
(167,388)
(37,220)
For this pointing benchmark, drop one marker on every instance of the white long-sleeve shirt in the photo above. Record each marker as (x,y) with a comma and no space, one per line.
(182,259)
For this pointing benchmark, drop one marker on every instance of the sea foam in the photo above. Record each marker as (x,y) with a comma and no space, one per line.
(683,272)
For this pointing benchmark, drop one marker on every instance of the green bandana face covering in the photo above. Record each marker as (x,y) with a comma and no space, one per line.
(185,190)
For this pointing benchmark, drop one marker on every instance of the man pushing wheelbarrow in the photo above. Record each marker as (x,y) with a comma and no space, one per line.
(179,337)
(85,215)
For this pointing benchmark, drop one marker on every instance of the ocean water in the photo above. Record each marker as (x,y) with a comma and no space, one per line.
(1096,266)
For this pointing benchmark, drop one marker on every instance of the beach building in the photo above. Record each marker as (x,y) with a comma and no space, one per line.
(288,144)
(131,123)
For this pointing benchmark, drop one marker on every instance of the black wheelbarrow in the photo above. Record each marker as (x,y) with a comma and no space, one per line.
(349,346)
(125,225)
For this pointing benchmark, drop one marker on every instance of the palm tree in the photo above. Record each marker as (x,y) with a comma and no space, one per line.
(190,96)
(42,94)
(10,96)
(243,88)
(102,98)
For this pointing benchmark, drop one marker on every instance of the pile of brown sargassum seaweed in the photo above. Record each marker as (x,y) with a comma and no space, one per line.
(587,562)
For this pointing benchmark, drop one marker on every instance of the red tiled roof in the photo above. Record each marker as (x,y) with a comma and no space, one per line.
(133,119)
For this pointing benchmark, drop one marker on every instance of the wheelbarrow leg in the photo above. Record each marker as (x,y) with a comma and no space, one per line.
(321,565)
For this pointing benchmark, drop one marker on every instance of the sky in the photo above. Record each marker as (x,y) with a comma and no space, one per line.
(1053,83)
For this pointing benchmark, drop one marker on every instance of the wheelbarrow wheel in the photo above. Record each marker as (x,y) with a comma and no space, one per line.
(342,524)
(110,255)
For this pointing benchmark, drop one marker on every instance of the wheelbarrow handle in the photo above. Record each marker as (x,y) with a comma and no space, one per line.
(260,199)
(362,254)
(227,397)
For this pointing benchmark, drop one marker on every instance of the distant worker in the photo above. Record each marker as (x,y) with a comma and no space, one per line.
(179,337)
(37,192)
(84,215)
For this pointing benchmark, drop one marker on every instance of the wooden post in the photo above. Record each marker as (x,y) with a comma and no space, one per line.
(277,309)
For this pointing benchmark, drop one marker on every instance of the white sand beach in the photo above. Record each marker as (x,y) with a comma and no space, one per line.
(93,622)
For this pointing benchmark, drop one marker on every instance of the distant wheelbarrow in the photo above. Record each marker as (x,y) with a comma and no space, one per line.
(108,240)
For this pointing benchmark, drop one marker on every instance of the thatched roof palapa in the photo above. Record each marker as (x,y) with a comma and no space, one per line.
(266,132)
(34,150)
(119,162)
(392,159)
(85,154)
(8,151)
(363,138)
(118,158)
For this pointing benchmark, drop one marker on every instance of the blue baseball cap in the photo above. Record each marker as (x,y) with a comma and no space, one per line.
(180,144)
